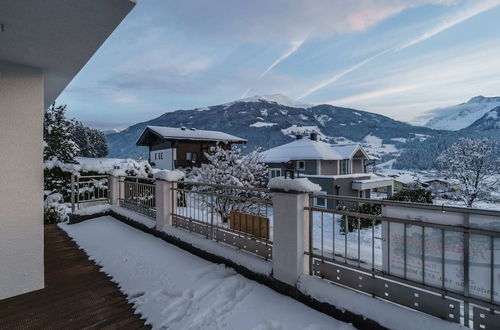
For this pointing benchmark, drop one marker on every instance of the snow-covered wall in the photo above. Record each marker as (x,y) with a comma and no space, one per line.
(21,180)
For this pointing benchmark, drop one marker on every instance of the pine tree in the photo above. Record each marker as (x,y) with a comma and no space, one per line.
(91,142)
(473,163)
(58,143)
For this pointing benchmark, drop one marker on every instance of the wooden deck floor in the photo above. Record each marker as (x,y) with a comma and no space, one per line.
(76,294)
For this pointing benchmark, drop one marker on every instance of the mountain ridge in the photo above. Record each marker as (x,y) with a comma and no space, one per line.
(460,116)
(265,122)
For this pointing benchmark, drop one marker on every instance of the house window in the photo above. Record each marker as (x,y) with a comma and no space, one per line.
(155,155)
(274,172)
(301,165)
(192,156)
(160,155)
(320,202)
(345,167)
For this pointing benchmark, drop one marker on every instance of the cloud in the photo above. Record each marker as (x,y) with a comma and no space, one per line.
(336,77)
(245,93)
(373,94)
(447,22)
(260,21)
(294,47)
(408,89)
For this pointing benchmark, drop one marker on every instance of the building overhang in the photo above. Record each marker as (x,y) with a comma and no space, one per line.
(57,37)
(372,183)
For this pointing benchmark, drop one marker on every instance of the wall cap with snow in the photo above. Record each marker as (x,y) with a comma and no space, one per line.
(169,175)
(300,185)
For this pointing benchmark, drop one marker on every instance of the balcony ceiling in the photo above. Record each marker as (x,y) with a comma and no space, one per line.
(56,36)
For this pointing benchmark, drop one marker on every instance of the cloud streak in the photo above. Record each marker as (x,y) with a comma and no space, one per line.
(452,20)
(431,81)
(373,94)
(447,23)
(295,46)
(336,77)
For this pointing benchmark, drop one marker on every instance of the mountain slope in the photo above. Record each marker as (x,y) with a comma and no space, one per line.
(266,123)
(490,121)
(423,154)
(460,116)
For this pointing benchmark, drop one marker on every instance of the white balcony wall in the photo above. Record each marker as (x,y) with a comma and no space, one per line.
(21,179)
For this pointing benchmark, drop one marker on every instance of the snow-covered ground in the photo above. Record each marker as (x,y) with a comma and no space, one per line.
(174,289)
(374,146)
(323,239)
(262,124)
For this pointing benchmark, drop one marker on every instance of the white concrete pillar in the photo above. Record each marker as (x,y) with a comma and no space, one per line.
(21,179)
(114,190)
(165,204)
(290,236)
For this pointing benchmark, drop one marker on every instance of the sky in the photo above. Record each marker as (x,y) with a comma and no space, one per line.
(399,58)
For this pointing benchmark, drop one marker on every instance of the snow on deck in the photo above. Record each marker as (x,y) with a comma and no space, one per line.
(174,289)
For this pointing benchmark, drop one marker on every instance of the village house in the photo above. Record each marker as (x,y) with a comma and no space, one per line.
(171,147)
(340,169)
(438,185)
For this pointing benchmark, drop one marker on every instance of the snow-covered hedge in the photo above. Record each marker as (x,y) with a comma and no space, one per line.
(57,175)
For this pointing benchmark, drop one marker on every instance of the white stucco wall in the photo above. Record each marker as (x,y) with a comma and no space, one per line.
(167,161)
(21,180)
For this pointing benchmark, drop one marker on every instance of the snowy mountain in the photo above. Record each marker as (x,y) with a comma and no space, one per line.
(276,98)
(270,120)
(111,131)
(460,116)
(490,121)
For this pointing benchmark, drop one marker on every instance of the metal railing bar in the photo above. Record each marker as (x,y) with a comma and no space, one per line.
(217,227)
(410,283)
(255,200)
(93,200)
(457,228)
(223,186)
(92,176)
(443,208)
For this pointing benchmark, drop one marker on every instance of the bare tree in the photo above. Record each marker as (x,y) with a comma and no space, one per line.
(473,163)
(229,167)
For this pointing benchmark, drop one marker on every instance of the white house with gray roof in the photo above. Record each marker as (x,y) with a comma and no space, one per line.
(340,169)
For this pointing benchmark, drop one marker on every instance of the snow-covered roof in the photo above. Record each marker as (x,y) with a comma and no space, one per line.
(349,150)
(307,149)
(178,133)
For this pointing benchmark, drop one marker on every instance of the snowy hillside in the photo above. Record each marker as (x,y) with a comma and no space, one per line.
(271,120)
(490,121)
(460,116)
(276,98)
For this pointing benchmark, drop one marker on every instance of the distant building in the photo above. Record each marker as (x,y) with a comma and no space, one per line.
(340,169)
(171,147)
(442,185)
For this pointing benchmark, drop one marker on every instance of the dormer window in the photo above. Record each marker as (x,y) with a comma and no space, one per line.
(301,165)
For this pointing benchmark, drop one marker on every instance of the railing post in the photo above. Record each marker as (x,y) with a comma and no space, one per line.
(114,189)
(290,235)
(165,202)
(72,193)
